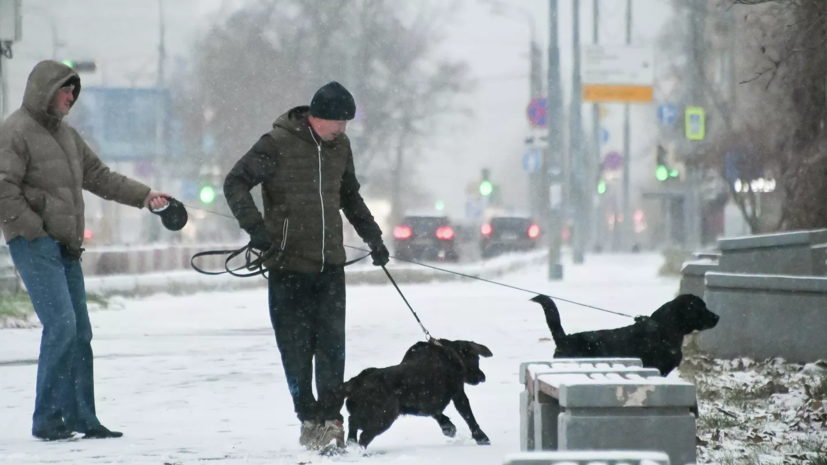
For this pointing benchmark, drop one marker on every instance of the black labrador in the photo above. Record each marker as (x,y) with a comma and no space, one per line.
(656,340)
(431,375)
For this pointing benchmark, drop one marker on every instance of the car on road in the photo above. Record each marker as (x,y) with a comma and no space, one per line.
(501,234)
(425,237)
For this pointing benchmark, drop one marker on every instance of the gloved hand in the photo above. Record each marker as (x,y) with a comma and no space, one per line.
(380,254)
(260,238)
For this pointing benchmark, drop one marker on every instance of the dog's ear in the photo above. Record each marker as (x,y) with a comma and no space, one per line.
(479,349)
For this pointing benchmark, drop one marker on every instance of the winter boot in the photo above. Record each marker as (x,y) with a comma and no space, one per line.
(311,434)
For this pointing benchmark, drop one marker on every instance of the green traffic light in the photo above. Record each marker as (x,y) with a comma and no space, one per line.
(661,174)
(601,187)
(674,173)
(69,63)
(440,205)
(207,194)
(486,188)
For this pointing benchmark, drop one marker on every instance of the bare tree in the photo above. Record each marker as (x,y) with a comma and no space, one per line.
(791,65)
(273,54)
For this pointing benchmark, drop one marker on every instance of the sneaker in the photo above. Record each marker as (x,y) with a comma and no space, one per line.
(310,434)
(332,431)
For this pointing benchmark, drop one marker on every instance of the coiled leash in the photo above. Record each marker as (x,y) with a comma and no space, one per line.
(254,261)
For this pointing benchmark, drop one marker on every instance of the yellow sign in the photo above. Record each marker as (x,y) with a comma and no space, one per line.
(695,123)
(617,93)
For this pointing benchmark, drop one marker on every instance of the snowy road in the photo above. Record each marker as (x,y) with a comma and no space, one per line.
(197,379)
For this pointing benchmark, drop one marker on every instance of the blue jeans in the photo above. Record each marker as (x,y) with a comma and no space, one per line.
(65,379)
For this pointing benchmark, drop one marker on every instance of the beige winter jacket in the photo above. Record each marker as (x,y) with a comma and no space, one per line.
(45,165)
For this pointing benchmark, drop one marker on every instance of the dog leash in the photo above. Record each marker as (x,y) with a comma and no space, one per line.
(443,270)
(428,336)
(500,284)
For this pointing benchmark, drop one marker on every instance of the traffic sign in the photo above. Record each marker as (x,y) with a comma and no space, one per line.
(537,113)
(695,123)
(612,161)
(667,114)
(618,73)
(532,159)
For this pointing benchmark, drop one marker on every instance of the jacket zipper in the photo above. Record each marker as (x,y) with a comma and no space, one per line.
(321,197)
(284,230)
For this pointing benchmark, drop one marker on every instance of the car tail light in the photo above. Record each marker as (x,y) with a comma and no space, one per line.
(486,229)
(445,233)
(402,232)
(533,231)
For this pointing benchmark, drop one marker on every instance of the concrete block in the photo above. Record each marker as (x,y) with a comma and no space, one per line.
(617,457)
(798,253)
(692,276)
(539,409)
(621,411)
(766,316)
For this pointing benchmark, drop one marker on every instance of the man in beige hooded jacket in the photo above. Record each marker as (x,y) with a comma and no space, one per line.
(44,167)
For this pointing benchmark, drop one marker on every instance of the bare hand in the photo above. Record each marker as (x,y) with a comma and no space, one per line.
(156,200)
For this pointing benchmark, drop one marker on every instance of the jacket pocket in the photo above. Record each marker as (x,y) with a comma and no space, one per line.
(36,199)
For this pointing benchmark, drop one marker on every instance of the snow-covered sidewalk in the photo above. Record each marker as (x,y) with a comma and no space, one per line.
(197,379)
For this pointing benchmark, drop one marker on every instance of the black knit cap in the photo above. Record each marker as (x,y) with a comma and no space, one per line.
(333,102)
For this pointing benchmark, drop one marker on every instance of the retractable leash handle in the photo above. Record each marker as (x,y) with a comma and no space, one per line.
(173,215)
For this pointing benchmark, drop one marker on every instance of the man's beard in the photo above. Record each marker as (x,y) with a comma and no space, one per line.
(58,113)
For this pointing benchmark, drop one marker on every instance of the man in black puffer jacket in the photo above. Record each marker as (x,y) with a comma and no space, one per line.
(305,167)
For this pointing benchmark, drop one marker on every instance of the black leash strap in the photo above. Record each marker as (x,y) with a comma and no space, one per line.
(254,261)
(498,284)
(428,336)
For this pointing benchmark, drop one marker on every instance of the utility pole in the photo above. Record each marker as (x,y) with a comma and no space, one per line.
(535,179)
(577,178)
(694,97)
(596,218)
(160,117)
(553,180)
(626,225)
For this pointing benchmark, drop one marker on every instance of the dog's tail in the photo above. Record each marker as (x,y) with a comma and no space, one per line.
(328,406)
(552,317)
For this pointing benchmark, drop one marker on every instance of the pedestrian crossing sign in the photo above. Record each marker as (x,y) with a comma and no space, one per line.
(695,123)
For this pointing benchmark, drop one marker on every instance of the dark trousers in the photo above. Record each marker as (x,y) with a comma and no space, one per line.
(65,378)
(308,315)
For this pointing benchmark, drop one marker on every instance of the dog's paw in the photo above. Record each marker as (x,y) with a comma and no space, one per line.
(449,430)
(481,438)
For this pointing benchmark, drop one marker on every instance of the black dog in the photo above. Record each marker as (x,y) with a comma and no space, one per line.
(656,340)
(431,375)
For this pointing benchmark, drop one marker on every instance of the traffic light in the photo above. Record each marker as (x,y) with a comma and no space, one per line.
(601,187)
(84,66)
(661,171)
(486,188)
(207,194)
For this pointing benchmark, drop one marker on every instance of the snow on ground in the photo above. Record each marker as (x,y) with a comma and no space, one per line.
(768,412)
(197,379)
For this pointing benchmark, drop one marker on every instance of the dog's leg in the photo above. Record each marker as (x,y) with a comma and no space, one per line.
(368,435)
(448,428)
(352,430)
(463,406)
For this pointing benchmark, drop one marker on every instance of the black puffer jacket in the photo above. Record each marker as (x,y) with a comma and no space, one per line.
(305,182)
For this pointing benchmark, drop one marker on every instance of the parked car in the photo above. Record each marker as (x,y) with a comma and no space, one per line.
(423,237)
(508,234)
